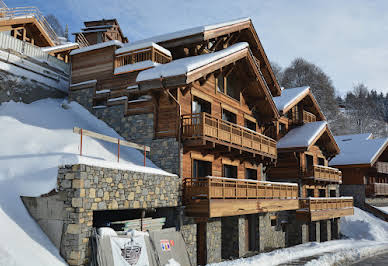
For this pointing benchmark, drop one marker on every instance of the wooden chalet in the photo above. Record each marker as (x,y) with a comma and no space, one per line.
(99,31)
(364,161)
(29,25)
(212,91)
(305,145)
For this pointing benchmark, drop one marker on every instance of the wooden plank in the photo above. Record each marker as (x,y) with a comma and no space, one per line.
(95,135)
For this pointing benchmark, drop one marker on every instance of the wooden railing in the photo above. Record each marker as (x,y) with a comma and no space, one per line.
(81,40)
(324,173)
(319,204)
(308,117)
(382,167)
(204,125)
(27,12)
(231,188)
(144,54)
(376,189)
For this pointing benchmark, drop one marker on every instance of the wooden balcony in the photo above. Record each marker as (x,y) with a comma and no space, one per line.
(197,129)
(376,189)
(324,173)
(308,117)
(315,209)
(140,55)
(218,196)
(382,167)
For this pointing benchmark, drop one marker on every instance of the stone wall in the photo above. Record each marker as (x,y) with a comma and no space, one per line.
(21,89)
(189,233)
(137,128)
(213,240)
(296,230)
(84,189)
(271,236)
(379,202)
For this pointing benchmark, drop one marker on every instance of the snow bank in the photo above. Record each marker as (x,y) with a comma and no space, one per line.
(368,236)
(35,139)
(185,65)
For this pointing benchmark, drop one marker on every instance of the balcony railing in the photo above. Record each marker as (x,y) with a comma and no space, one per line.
(376,189)
(324,173)
(29,12)
(204,125)
(382,167)
(144,54)
(320,204)
(231,188)
(308,117)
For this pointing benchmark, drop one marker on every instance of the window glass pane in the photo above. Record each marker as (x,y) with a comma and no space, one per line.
(310,192)
(233,87)
(220,83)
(202,168)
(322,193)
(249,124)
(250,173)
(230,171)
(229,116)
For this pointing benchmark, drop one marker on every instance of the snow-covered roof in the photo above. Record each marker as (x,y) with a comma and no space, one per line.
(96,46)
(358,149)
(302,136)
(60,47)
(185,65)
(289,96)
(141,45)
(192,31)
(353,137)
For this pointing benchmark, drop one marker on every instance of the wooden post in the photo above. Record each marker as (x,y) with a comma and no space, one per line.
(144,155)
(118,150)
(80,147)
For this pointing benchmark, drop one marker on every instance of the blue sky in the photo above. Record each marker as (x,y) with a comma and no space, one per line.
(347,39)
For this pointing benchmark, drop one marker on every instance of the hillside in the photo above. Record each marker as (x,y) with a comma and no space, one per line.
(36,138)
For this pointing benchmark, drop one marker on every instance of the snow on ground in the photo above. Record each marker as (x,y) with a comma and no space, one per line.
(366,236)
(35,139)
(384,209)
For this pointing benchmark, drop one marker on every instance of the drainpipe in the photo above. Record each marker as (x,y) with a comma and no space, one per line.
(179,125)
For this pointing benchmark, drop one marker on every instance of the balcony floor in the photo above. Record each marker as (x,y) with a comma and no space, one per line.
(311,216)
(230,207)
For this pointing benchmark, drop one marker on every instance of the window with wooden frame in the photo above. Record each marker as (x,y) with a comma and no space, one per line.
(321,161)
(251,173)
(201,168)
(309,192)
(250,124)
(229,116)
(309,159)
(199,105)
(332,193)
(322,193)
(229,171)
(229,84)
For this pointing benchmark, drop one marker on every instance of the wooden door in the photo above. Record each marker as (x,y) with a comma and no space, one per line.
(201,244)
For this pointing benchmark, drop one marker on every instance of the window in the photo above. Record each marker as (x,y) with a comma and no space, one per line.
(229,116)
(249,124)
(251,173)
(220,84)
(321,161)
(322,193)
(282,128)
(309,192)
(199,105)
(309,162)
(333,193)
(233,87)
(229,171)
(273,221)
(201,168)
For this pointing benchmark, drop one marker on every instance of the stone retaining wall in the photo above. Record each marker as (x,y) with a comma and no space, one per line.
(137,128)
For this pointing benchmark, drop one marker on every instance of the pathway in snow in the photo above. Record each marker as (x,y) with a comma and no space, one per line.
(380,260)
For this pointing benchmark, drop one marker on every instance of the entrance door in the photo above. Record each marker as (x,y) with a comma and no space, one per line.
(201,244)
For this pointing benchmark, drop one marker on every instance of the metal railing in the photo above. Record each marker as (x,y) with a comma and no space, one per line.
(27,49)
(29,12)
(324,173)
(204,125)
(139,55)
(231,188)
(376,189)
(318,204)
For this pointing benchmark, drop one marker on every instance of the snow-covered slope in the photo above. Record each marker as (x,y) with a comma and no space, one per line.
(367,236)
(36,138)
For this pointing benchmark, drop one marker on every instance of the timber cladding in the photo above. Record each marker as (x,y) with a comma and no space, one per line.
(93,65)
